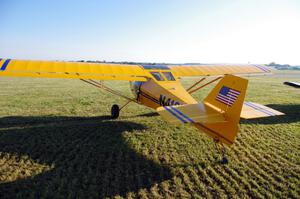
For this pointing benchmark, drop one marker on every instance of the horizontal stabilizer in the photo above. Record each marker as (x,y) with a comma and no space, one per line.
(190,113)
(253,110)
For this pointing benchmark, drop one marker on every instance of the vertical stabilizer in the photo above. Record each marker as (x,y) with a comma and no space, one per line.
(227,98)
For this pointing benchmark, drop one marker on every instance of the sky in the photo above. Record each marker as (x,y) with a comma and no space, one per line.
(170,31)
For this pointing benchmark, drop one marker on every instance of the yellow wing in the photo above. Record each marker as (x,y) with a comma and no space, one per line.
(216,69)
(77,70)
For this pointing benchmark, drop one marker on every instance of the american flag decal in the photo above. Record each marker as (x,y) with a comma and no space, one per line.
(227,95)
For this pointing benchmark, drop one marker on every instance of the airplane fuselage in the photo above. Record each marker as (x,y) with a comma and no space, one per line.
(163,90)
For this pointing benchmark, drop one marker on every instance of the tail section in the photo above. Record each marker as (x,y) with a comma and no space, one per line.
(227,98)
(219,114)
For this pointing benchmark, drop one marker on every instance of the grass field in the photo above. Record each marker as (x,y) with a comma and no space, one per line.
(57,141)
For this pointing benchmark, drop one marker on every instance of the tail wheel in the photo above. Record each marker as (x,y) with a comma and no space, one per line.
(224,160)
(115,111)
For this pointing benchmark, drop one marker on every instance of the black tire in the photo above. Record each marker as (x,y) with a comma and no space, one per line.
(224,160)
(115,111)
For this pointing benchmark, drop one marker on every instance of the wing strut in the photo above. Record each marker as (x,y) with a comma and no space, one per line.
(103,87)
(196,89)
(195,84)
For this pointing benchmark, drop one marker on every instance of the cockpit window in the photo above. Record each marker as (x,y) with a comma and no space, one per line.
(157,76)
(169,76)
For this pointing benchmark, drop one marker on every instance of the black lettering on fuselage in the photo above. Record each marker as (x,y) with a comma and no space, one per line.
(164,101)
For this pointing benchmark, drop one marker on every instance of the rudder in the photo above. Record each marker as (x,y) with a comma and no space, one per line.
(227,98)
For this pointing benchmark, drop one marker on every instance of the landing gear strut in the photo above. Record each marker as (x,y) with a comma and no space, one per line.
(115,110)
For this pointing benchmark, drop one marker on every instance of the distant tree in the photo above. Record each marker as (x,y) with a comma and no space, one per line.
(272,64)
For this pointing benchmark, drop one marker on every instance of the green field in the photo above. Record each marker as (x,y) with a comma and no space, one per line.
(57,141)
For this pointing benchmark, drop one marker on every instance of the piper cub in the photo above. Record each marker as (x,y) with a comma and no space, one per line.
(159,87)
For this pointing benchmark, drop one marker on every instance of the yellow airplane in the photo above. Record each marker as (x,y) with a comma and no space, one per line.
(159,87)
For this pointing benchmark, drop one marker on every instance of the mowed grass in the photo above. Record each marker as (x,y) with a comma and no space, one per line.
(57,141)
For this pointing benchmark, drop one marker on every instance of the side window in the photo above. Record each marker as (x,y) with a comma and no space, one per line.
(157,76)
(169,76)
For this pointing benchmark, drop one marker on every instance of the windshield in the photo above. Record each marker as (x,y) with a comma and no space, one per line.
(157,76)
(169,76)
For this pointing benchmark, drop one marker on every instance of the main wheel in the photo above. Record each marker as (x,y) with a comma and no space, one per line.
(115,110)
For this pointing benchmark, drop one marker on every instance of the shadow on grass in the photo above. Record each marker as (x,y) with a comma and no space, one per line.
(150,114)
(91,158)
(291,111)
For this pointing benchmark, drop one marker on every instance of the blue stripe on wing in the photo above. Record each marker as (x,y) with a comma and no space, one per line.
(4,65)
